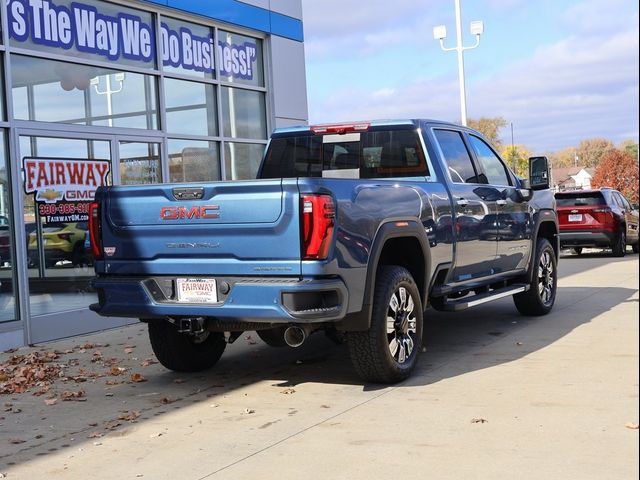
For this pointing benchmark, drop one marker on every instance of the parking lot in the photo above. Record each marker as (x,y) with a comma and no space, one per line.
(496,395)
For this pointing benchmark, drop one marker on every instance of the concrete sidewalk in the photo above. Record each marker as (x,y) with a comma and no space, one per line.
(496,395)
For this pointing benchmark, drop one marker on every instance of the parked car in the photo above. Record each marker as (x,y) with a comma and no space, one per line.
(597,218)
(62,241)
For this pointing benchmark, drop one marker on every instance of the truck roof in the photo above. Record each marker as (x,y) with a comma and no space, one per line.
(402,123)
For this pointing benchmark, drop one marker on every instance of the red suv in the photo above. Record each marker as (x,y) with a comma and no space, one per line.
(597,218)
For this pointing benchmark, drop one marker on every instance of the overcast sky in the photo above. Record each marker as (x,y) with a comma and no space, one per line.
(560,70)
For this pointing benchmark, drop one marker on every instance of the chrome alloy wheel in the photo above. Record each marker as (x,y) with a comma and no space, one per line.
(401,325)
(546,278)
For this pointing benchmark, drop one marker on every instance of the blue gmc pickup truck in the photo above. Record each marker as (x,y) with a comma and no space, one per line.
(354,229)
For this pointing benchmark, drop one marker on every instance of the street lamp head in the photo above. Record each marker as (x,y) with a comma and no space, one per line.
(440,32)
(477,27)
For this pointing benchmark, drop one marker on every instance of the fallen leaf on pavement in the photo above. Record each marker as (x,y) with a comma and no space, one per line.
(479,420)
(166,400)
(50,401)
(115,371)
(248,411)
(16,441)
(631,425)
(147,362)
(68,396)
(95,435)
(288,391)
(250,340)
(179,380)
(137,378)
(129,416)
(128,350)
(112,424)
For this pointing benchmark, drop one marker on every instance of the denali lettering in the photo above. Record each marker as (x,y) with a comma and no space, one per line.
(179,213)
(193,245)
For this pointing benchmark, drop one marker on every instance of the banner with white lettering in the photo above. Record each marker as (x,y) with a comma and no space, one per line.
(82,27)
(63,188)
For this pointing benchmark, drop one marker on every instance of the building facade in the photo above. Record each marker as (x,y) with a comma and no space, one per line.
(121,92)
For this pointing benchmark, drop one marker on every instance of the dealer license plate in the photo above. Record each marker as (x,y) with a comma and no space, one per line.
(575,218)
(196,290)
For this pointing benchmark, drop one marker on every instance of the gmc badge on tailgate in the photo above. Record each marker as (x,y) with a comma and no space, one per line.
(205,212)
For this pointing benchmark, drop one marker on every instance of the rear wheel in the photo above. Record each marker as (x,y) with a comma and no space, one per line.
(619,246)
(183,352)
(388,351)
(541,296)
(635,247)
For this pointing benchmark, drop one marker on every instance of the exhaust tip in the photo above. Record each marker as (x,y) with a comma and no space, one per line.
(294,336)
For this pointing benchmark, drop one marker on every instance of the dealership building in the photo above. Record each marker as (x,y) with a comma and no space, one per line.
(130,92)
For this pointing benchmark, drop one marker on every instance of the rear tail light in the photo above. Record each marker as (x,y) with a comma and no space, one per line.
(603,215)
(318,216)
(94,230)
(602,210)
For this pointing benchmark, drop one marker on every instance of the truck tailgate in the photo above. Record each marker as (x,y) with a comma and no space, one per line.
(223,228)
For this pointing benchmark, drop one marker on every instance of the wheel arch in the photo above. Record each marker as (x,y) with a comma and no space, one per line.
(398,242)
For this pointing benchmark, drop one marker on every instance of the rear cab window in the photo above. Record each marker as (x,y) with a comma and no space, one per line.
(385,153)
(579,199)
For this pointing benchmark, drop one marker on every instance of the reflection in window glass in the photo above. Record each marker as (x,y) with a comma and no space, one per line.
(190,107)
(240,59)
(456,156)
(242,160)
(243,113)
(7,265)
(2,111)
(193,161)
(493,167)
(51,91)
(140,163)
(199,62)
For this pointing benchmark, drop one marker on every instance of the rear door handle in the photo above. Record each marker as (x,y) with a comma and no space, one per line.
(502,203)
(462,202)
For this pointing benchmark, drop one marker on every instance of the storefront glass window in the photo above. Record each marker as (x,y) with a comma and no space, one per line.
(187,48)
(193,161)
(243,113)
(51,91)
(240,59)
(190,107)
(87,29)
(56,218)
(242,160)
(140,163)
(7,265)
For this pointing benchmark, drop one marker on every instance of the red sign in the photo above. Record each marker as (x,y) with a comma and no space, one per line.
(63,188)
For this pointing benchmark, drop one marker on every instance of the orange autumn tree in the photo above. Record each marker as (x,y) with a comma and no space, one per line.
(617,169)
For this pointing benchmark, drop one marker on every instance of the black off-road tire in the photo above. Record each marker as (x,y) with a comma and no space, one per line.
(636,247)
(371,351)
(541,296)
(619,246)
(274,337)
(181,352)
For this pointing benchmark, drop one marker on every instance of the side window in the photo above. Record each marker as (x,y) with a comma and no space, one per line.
(392,153)
(620,200)
(491,163)
(456,156)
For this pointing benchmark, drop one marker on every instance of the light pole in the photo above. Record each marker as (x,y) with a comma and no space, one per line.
(440,33)
(108,91)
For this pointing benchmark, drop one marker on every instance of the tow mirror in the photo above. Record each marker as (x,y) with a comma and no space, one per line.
(539,178)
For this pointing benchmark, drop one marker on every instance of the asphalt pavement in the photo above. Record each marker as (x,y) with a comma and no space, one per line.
(495,396)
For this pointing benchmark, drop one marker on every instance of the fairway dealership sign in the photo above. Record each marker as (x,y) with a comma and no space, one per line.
(63,188)
(82,28)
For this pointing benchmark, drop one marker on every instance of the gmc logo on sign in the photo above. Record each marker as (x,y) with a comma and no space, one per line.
(190,213)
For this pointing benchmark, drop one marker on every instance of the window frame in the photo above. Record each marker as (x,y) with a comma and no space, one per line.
(478,162)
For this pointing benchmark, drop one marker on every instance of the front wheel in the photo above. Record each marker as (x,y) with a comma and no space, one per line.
(183,352)
(541,296)
(388,351)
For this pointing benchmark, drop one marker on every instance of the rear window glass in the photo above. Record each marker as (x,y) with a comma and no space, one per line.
(579,199)
(378,154)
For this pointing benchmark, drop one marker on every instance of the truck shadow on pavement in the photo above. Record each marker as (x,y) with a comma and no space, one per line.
(456,344)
